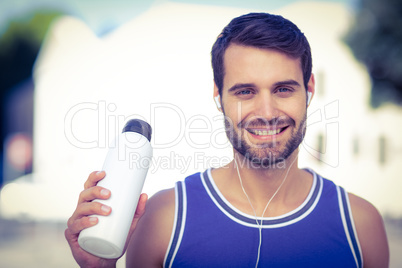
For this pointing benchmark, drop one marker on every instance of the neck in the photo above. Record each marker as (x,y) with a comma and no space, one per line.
(262,185)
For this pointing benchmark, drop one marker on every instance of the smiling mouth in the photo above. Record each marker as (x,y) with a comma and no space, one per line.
(266,132)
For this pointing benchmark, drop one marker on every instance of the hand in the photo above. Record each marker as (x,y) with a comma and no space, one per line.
(81,219)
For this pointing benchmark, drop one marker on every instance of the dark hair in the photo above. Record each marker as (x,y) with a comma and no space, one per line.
(266,31)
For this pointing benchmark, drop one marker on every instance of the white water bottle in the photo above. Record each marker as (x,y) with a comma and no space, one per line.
(126,167)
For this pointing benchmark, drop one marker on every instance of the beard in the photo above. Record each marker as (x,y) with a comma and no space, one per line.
(268,154)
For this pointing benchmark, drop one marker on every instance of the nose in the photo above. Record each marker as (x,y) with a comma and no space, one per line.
(265,105)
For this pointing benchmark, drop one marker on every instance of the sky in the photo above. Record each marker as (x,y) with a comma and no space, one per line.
(103,16)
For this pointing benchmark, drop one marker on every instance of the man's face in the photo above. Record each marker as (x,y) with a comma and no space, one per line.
(264,103)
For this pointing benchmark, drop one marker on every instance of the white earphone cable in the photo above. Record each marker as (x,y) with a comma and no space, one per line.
(266,207)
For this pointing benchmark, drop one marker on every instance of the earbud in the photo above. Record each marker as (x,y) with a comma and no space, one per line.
(309,95)
(218,103)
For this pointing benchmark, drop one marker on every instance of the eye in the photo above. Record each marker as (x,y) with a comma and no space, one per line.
(243,92)
(283,90)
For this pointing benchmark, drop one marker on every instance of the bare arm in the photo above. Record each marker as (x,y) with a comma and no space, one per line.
(371,232)
(150,240)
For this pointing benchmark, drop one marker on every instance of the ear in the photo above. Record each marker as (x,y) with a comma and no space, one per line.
(217,98)
(310,89)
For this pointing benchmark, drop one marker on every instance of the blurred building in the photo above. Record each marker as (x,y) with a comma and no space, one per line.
(157,67)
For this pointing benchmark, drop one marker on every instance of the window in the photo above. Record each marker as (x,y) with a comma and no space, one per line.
(382,157)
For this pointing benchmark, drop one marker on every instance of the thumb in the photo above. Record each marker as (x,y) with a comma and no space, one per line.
(138,214)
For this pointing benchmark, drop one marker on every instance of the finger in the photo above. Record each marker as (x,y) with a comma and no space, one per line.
(92,193)
(91,208)
(138,214)
(141,205)
(75,227)
(78,220)
(139,211)
(94,178)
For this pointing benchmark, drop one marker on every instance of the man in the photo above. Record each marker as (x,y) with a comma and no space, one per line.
(260,210)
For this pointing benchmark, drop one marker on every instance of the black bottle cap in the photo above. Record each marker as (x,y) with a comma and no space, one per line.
(138,126)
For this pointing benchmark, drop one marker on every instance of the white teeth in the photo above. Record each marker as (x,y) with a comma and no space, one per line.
(266,132)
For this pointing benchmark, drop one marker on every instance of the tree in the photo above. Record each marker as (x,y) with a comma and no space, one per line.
(20,44)
(376,40)
(19,47)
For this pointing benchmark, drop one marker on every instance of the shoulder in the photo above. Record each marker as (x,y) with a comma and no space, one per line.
(162,200)
(370,231)
(151,237)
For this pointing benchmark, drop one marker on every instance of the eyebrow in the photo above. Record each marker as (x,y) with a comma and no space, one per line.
(241,85)
(289,82)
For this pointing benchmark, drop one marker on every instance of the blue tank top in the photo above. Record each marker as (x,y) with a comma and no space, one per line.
(209,232)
